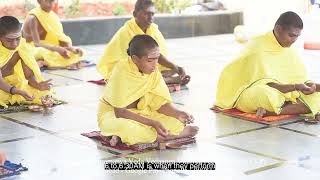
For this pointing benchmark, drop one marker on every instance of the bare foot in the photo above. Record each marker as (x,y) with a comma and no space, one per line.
(313,121)
(161,139)
(189,131)
(114,140)
(261,112)
(173,87)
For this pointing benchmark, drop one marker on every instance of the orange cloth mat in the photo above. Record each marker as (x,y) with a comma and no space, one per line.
(312,45)
(252,117)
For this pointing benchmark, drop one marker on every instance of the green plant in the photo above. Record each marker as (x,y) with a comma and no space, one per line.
(182,4)
(119,10)
(164,6)
(74,9)
(168,6)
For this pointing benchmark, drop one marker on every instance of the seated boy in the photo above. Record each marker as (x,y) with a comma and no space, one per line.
(136,104)
(42,28)
(20,77)
(271,78)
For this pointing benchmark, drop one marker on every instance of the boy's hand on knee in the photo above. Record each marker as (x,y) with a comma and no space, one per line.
(45,85)
(161,130)
(75,50)
(313,86)
(63,52)
(79,51)
(185,118)
(181,72)
(305,89)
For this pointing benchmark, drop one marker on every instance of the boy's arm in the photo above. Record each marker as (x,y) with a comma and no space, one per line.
(33,26)
(71,48)
(165,62)
(3,85)
(285,88)
(32,81)
(13,90)
(169,110)
(124,113)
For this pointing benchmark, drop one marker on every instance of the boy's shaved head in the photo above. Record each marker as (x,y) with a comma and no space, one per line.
(9,24)
(140,43)
(290,19)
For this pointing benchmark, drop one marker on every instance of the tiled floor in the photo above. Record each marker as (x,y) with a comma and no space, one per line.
(51,146)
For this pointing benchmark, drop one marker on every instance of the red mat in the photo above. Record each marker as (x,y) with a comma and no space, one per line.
(252,117)
(136,147)
(120,146)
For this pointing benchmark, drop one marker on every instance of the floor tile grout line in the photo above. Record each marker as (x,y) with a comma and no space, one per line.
(287,123)
(242,132)
(16,139)
(264,168)
(58,135)
(256,129)
(66,76)
(249,151)
(299,132)
(28,125)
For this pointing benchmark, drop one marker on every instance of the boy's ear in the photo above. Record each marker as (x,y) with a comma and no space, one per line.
(279,28)
(135,59)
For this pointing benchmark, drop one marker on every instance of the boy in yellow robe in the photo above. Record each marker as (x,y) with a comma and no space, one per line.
(269,77)
(42,28)
(136,104)
(142,23)
(20,78)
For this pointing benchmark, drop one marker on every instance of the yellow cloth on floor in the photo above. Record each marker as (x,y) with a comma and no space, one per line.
(18,79)
(54,35)
(116,49)
(125,86)
(242,83)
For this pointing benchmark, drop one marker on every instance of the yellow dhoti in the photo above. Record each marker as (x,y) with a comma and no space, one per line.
(54,59)
(125,86)
(133,132)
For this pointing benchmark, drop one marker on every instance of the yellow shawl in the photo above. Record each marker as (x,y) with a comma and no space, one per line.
(52,25)
(263,61)
(127,84)
(24,52)
(116,49)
